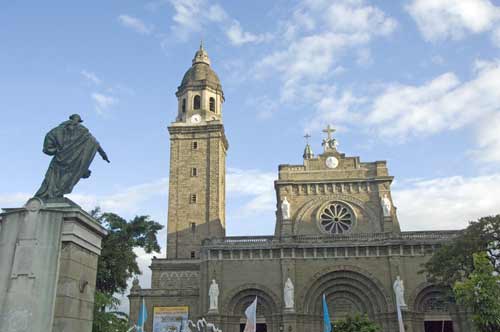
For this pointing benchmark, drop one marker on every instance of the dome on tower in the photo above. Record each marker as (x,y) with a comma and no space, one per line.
(200,73)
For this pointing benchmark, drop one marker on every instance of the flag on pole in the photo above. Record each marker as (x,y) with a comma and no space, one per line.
(400,317)
(251,313)
(326,317)
(143,315)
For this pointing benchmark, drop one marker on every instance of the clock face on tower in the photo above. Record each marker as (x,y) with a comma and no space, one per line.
(196,118)
(331,162)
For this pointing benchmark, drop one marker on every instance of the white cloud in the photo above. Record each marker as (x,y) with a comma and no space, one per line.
(103,102)
(444,103)
(495,37)
(127,200)
(188,15)
(14,200)
(454,19)
(90,76)
(488,139)
(402,111)
(216,13)
(357,17)
(239,37)
(194,15)
(135,24)
(256,186)
(333,107)
(447,203)
(437,59)
(318,34)
(264,105)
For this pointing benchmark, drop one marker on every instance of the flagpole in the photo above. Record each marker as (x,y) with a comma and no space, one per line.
(143,305)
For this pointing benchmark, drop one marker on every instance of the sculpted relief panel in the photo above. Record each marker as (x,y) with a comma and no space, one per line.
(180,279)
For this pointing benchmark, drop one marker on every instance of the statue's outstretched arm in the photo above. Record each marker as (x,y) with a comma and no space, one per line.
(103,154)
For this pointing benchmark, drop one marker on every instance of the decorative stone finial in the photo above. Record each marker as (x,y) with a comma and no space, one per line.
(201,56)
(135,284)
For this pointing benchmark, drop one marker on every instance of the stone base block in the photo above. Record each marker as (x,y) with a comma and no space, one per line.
(48,254)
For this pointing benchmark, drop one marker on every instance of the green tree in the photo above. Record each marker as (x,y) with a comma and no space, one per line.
(454,261)
(355,324)
(480,292)
(106,318)
(118,263)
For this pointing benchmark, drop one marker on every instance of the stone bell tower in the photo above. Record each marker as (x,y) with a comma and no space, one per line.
(198,146)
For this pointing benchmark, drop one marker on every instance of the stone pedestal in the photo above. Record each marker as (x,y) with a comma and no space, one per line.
(286,228)
(289,321)
(48,255)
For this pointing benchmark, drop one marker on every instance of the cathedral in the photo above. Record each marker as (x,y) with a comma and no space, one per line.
(337,234)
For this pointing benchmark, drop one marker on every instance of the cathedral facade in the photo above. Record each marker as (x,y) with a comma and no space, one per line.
(337,233)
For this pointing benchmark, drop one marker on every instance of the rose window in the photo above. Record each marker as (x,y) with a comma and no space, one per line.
(336,218)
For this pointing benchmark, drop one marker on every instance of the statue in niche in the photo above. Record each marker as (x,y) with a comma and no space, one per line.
(386,205)
(285,209)
(73,148)
(288,294)
(213,294)
(399,291)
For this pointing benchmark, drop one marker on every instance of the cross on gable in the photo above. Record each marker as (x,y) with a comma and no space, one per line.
(307,136)
(329,130)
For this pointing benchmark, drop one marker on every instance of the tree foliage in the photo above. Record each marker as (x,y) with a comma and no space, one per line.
(480,292)
(118,263)
(454,261)
(106,318)
(356,324)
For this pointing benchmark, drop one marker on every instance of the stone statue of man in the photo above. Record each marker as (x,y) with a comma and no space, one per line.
(213,294)
(399,291)
(285,209)
(288,294)
(73,148)
(386,205)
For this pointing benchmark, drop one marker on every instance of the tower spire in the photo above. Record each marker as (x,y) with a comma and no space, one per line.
(308,153)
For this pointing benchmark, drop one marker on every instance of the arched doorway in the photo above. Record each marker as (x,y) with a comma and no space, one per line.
(267,309)
(347,291)
(432,303)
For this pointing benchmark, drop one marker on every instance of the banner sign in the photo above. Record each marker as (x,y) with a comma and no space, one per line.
(170,319)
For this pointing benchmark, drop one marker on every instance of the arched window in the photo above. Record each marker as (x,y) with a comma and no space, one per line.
(184,105)
(212,104)
(197,102)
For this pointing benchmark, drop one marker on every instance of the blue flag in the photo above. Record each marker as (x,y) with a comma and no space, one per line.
(143,315)
(326,316)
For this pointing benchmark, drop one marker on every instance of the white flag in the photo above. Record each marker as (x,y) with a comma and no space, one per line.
(251,314)
(400,318)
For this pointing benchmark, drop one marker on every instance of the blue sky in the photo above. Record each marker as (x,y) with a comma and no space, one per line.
(416,83)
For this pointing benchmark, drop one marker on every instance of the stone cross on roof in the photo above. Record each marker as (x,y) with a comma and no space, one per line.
(307,136)
(329,143)
(329,130)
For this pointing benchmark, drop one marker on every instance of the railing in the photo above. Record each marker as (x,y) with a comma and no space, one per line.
(359,237)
